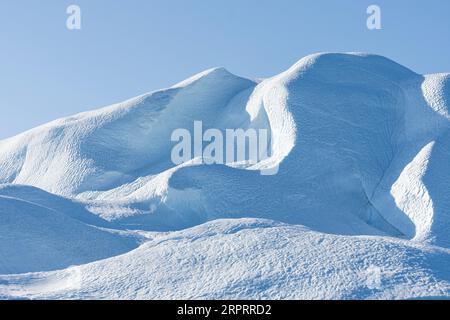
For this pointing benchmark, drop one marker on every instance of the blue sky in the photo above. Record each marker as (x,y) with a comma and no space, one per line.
(127,48)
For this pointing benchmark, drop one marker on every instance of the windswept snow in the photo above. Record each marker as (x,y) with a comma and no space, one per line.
(249,259)
(361,150)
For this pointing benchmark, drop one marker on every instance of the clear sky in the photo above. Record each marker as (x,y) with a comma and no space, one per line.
(126,48)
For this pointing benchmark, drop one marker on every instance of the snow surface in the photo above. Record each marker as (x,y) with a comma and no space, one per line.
(248,258)
(363,149)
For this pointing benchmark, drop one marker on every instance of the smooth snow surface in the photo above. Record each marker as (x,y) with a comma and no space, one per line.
(51,233)
(362,147)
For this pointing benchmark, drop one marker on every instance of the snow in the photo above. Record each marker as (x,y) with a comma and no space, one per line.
(360,146)
(35,237)
(248,258)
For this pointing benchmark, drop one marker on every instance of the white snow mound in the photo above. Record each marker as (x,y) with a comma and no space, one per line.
(362,147)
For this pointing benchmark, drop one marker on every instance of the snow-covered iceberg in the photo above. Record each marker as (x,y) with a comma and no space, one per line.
(362,150)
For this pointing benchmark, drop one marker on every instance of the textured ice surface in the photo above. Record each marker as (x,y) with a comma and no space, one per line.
(363,149)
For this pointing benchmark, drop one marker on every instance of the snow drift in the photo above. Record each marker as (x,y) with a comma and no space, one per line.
(363,149)
(51,233)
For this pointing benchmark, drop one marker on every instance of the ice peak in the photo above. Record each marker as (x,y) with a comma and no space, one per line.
(217,72)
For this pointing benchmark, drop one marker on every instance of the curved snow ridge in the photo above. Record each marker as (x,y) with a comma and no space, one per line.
(71,208)
(270,98)
(437,181)
(250,259)
(42,232)
(420,192)
(412,196)
(272,94)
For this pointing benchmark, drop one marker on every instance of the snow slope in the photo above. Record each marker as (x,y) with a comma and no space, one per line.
(51,233)
(250,258)
(108,147)
(360,146)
